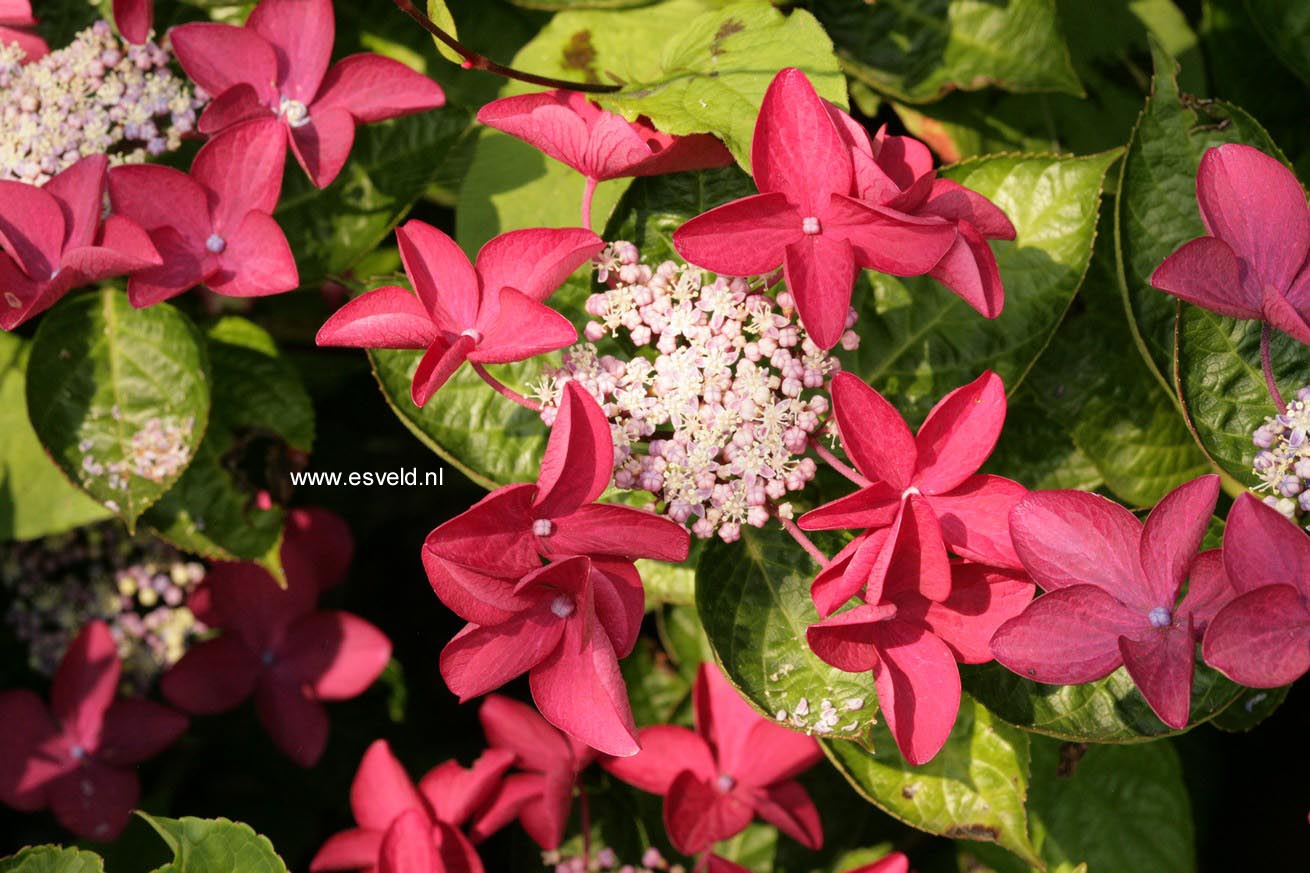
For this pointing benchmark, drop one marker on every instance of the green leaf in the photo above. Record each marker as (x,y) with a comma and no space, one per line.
(654,207)
(52,859)
(1119,415)
(36,500)
(655,689)
(214,845)
(554,5)
(1223,387)
(439,12)
(753,597)
(918,50)
(1285,25)
(1037,451)
(104,383)
(390,166)
(919,341)
(1252,706)
(260,405)
(714,72)
(488,438)
(1110,710)
(974,789)
(1111,808)
(1157,209)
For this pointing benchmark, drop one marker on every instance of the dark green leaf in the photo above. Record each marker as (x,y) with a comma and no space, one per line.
(1037,451)
(919,341)
(203,845)
(918,50)
(1252,706)
(109,387)
(553,5)
(1285,25)
(975,789)
(52,859)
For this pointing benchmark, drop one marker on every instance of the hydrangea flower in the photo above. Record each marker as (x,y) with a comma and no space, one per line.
(912,643)
(52,240)
(78,756)
(277,65)
(804,218)
(16,28)
(1113,586)
(94,96)
(449,798)
(1283,462)
(736,765)
(215,225)
(489,312)
(1262,637)
(1252,264)
(924,487)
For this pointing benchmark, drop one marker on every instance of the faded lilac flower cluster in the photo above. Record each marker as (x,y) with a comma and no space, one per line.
(722,397)
(606,858)
(1283,462)
(137,586)
(98,95)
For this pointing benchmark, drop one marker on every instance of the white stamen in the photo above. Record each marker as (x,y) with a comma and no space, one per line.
(726,783)
(476,336)
(543,527)
(561,606)
(1160,617)
(295,112)
(908,491)
(77,752)
(215,244)
(810,226)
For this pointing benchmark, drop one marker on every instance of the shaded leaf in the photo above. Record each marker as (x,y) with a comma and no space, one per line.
(52,859)
(214,845)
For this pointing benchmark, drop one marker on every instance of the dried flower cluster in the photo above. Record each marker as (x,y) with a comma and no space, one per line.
(714,410)
(98,95)
(137,586)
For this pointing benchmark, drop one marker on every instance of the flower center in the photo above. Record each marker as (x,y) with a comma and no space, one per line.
(543,527)
(472,334)
(77,752)
(295,112)
(913,489)
(54,274)
(13,301)
(561,606)
(725,783)
(1160,617)
(215,244)
(810,226)
(268,657)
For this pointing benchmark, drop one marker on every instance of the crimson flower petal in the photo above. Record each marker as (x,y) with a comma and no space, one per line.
(970,271)
(185,266)
(301,34)
(386,318)
(86,683)
(666,751)
(746,237)
(1254,203)
(820,272)
(136,730)
(336,654)
(774,754)
(480,659)
(1205,272)
(918,689)
(958,204)
(871,507)
(323,540)
(31,228)
(1067,637)
(516,726)
(887,240)
(134,18)
(353,849)
(1261,638)
(604,529)
(847,573)
(723,718)
(441,275)
(220,56)
(1208,590)
(514,794)
(297,724)
(241,168)
(408,846)
(959,434)
(381,791)
(257,260)
(914,557)
(79,191)
(521,328)
(322,144)
(846,639)
(975,519)
(1171,536)
(455,851)
(121,247)
(1280,313)
(237,104)
(620,602)
(156,197)
(1077,538)
(546,816)
(456,794)
(214,676)
(982,599)
(95,801)
(697,814)
(873,432)
(246,600)
(373,88)
(796,149)
(579,459)
(1261,548)
(1161,664)
(572,130)
(535,262)
(25,772)
(788,807)
(578,688)
(437,365)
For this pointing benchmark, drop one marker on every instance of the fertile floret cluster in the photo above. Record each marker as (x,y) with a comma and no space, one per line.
(137,586)
(720,400)
(99,95)
(1283,462)
(606,858)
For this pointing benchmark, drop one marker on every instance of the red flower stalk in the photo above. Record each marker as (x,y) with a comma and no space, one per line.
(737,764)
(897,172)
(1113,587)
(397,823)
(924,487)
(214,226)
(912,644)
(541,794)
(277,66)
(1262,637)
(16,26)
(79,756)
(277,647)
(804,218)
(491,312)
(567,623)
(1253,263)
(52,240)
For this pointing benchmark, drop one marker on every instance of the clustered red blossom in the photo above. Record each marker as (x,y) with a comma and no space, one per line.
(97,95)
(715,424)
